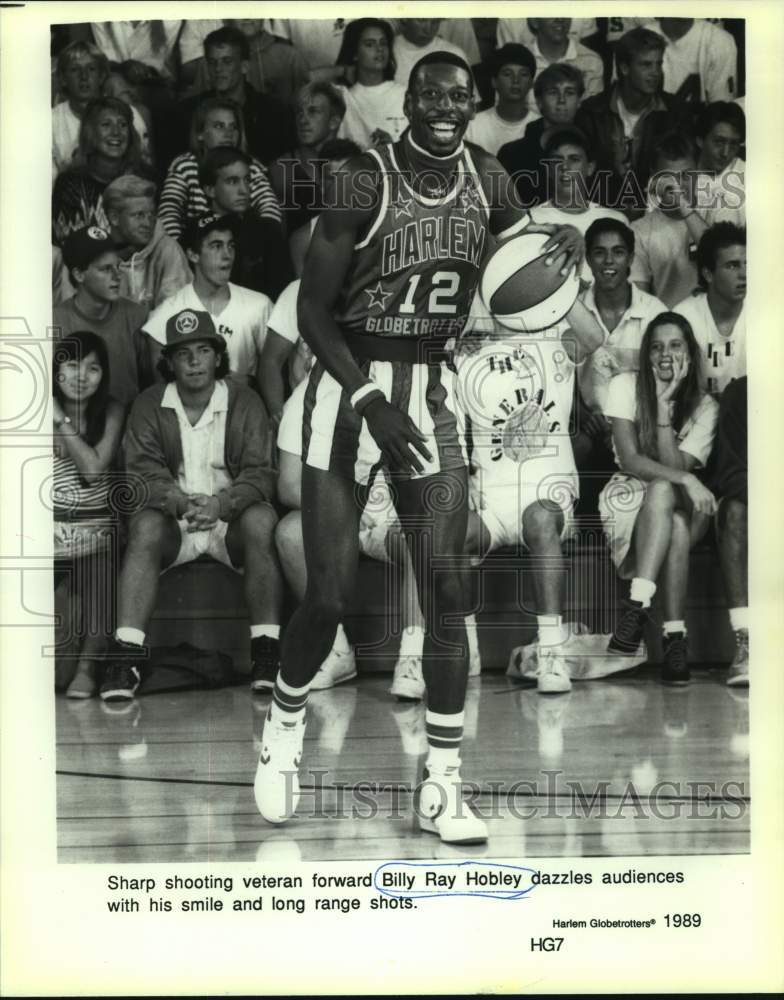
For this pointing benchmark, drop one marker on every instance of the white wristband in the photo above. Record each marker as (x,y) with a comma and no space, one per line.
(360,393)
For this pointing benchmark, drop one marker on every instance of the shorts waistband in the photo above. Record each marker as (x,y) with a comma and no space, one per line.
(413,351)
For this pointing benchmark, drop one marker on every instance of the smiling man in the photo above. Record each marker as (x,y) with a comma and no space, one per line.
(199,445)
(240,314)
(389,278)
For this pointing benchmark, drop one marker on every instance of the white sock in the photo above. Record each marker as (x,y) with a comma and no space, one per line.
(412,641)
(439,728)
(257,631)
(674,626)
(341,643)
(471,635)
(642,591)
(133,635)
(739,618)
(552,631)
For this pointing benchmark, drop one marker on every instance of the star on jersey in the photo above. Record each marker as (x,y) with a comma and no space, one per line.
(468,198)
(378,296)
(403,207)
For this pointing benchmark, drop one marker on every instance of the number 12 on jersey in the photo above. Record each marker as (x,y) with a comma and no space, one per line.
(444,285)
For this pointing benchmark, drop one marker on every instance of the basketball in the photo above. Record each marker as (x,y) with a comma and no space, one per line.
(521,291)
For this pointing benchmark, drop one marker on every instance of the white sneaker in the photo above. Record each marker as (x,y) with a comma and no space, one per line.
(337,667)
(553,676)
(408,684)
(276,786)
(440,809)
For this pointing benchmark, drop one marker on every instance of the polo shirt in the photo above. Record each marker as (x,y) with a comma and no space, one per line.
(203,468)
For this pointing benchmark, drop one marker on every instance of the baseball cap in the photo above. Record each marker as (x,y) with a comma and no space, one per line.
(196,229)
(191,324)
(83,245)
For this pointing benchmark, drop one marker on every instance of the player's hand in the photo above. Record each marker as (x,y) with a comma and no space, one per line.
(565,241)
(396,434)
(701,497)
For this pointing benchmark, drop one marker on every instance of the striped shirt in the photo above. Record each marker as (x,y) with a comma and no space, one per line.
(183,197)
(73,498)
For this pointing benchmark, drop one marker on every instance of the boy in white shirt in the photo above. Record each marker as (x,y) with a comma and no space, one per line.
(513,68)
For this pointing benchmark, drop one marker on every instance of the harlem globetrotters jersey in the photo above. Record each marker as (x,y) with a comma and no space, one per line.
(515,395)
(415,270)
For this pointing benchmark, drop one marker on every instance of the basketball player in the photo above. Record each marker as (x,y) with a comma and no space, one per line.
(516,394)
(389,277)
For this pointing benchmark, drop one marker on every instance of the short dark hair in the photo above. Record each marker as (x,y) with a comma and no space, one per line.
(75,347)
(568,135)
(673,146)
(511,54)
(606,224)
(439,58)
(164,370)
(559,73)
(218,158)
(228,35)
(715,238)
(724,113)
(339,149)
(635,43)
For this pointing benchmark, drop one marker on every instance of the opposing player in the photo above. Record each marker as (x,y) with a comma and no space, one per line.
(389,277)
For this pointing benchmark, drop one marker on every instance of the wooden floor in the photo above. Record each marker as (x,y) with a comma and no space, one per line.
(170,779)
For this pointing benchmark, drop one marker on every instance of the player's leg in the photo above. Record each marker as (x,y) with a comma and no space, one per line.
(542,526)
(330,528)
(153,544)
(650,543)
(732,528)
(433,512)
(250,543)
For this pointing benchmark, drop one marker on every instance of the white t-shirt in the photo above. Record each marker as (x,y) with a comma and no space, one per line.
(490,131)
(65,135)
(706,52)
(517,391)
(317,40)
(407,55)
(722,197)
(723,357)
(696,435)
(242,323)
(371,108)
(547,213)
(621,349)
(515,29)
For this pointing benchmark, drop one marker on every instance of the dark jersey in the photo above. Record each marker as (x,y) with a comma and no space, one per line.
(415,271)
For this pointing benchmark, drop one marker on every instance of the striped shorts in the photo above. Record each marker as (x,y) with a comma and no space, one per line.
(337,439)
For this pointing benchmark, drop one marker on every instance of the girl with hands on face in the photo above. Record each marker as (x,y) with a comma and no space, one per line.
(655,508)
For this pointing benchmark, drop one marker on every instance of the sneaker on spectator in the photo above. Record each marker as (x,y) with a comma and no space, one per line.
(265,662)
(739,668)
(523,664)
(553,676)
(675,670)
(408,684)
(627,637)
(123,673)
(337,667)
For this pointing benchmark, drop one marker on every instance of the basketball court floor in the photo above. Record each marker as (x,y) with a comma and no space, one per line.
(617,767)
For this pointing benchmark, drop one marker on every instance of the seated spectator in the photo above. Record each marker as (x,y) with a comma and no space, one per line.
(512,74)
(558,90)
(418,37)
(216,122)
(266,120)
(374,101)
(148,45)
(516,30)
(700,60)
(240,315)
(666,237)
(655,508)
(729,479)
(198,443)
(623,122)
(122,89)
(720,134)
(192,76)
(153,266)
(86,437)
(716,311)
(553,44)
(274,67)
(93,264)
(335,152)
(570,169)
(82,72)
(108,148)
(297,175)
(262,254)
(623,313)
